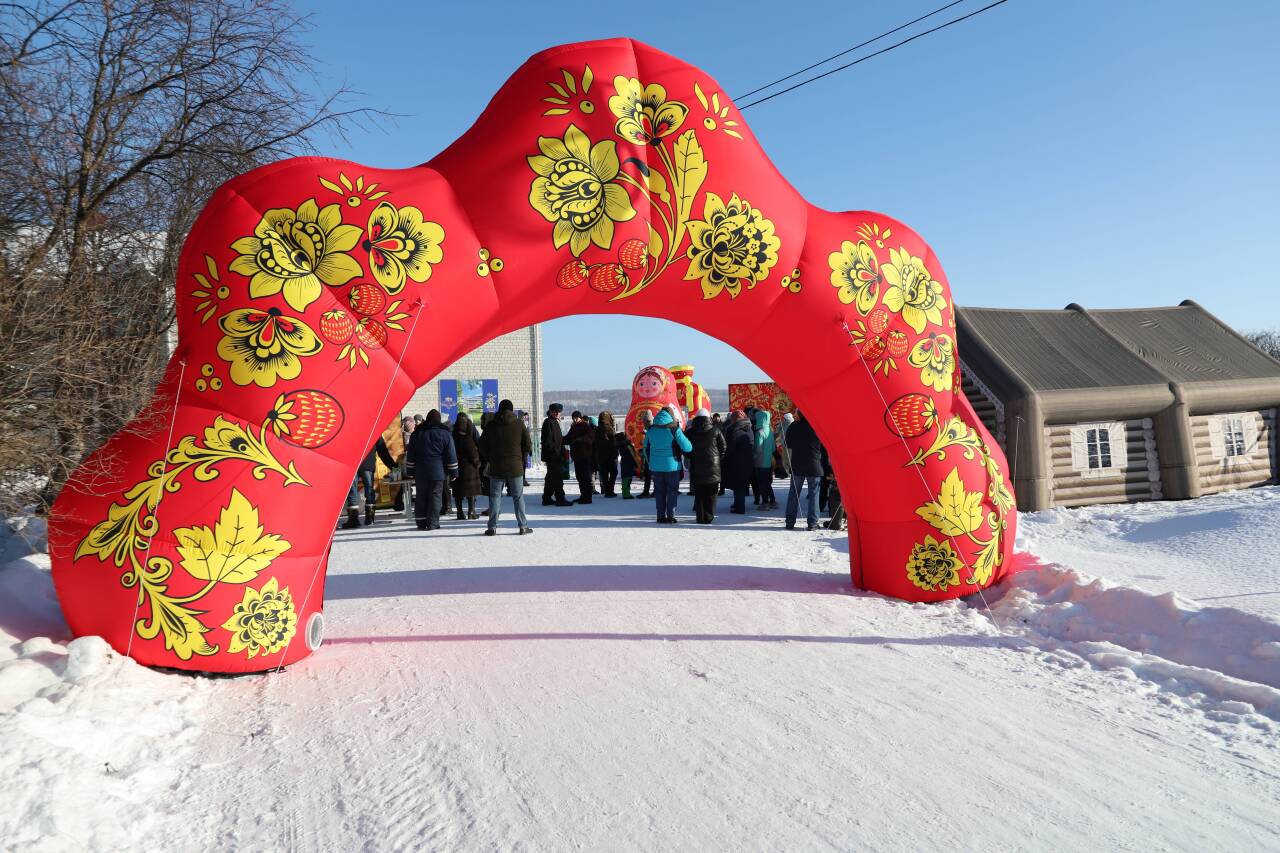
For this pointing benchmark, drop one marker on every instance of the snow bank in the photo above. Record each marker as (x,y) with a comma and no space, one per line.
(1217,550)
(80,720)
(1222,660)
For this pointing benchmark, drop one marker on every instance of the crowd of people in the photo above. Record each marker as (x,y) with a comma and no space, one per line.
(453,464)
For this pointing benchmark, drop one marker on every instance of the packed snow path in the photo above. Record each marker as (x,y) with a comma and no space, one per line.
(610,683)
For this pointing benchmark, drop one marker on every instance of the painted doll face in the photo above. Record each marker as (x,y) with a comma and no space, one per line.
(648,386)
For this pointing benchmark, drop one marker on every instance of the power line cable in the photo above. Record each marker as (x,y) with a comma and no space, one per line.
(872,55)
(885,34)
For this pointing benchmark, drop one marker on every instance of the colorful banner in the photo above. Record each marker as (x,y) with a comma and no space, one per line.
(762,395)
(473,396)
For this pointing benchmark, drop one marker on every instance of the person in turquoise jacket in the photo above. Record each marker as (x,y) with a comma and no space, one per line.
(763,453)
(663,440)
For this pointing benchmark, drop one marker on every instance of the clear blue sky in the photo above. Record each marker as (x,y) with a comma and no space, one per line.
(1106,152)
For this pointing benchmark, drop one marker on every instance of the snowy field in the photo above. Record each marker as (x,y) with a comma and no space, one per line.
(609,684)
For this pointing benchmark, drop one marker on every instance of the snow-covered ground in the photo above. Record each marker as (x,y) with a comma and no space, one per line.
(607,683)
(1218,550)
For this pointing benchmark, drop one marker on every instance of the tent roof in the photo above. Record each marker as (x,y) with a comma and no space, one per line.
(1134,356)
(1187,344)
(1050,350)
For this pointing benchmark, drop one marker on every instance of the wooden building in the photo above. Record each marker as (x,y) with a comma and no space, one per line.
(1121,405)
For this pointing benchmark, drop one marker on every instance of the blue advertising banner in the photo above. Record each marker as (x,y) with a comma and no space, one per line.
(473,396)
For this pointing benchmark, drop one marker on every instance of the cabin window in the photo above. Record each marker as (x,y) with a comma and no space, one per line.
(1098,443)
(1233,437)
(1098,450)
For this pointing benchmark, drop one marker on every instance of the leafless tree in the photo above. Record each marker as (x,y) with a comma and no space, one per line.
(118,118)
(1268,341)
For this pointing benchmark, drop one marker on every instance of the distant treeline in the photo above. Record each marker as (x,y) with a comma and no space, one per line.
(616,400)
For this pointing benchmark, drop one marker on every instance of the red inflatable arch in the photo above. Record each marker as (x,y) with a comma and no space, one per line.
(315,295)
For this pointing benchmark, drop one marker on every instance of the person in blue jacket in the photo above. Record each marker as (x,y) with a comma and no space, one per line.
(663,442)
(763,452)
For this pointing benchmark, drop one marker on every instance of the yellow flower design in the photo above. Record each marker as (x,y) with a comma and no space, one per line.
(296,252)
(732,245)
(644,114)
(401,246)
(933,565)
(855,271)
(263,347)
(263,622)
(575,189)
(935,355)
(912,290)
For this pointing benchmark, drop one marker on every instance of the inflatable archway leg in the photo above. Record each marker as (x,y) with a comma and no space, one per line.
(315,295)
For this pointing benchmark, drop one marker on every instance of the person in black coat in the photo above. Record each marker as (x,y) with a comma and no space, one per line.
(739,459)
(505,445)
(719,424)
(704,465)
(806,469)
(466,441)
(581,440)
(364,475)
(606,450)
(434,459)
(553,457)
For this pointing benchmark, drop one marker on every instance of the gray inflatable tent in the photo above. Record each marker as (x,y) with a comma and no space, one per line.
(1106,406)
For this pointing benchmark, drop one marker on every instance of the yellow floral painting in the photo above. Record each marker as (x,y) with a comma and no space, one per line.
(935,355)
(265,347)
(402,246)
(934,565)
(912,290)
(263,622)
(731,246)
(297,252)
(575,188)
(855,273)
(644,113)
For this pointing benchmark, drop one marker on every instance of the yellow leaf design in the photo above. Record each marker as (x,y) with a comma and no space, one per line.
(183,632)
(690,172)
(657,185)
(235,551)
(956,512)
(655,242)
(985,561)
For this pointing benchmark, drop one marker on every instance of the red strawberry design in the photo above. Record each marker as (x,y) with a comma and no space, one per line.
(367,299)
(896,342)
(607,277)
(307,418)
(337,326)
(632,253)
(371,333)
(878,320)
(874,348)
(572,274)
(910,415)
